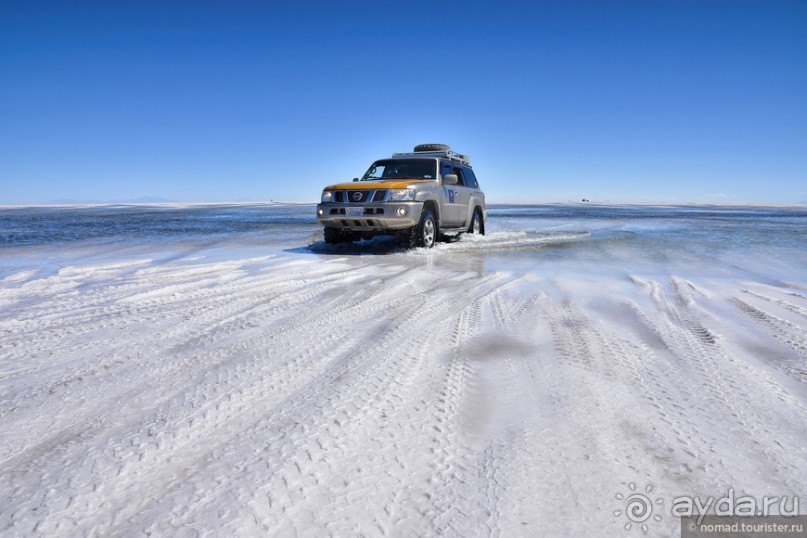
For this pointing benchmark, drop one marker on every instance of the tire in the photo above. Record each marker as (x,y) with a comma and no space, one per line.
(427,232)
(423,235)
(476,226)
(335,235)
(432,147)
(331,235)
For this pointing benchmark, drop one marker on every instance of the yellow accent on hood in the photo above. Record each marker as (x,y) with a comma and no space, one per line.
(370,185)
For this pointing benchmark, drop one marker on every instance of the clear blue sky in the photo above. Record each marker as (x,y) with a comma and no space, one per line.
(671,101)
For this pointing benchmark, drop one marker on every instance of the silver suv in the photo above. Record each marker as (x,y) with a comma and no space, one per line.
(416,196)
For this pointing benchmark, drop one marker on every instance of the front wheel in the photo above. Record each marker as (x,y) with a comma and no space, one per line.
(427,230)
(476,226)
(336,235)
(424,234)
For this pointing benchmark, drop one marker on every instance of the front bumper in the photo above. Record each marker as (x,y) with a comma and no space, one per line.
(359,217)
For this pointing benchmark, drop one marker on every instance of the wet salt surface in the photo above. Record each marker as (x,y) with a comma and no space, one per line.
(219,369)
(706,236)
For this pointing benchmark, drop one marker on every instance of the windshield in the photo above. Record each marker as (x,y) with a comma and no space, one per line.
(402,169)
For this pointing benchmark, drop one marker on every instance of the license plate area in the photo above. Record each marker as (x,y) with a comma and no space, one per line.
(355,211)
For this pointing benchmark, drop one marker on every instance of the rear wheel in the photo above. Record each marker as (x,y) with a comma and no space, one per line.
(476,226)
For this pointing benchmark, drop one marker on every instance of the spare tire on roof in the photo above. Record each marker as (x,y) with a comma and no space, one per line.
(432,147)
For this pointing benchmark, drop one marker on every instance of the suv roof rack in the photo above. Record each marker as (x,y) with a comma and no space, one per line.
(446,154)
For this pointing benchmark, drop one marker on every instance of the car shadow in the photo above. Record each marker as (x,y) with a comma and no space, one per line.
(377,246)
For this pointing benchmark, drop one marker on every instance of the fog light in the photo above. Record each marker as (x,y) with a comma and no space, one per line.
(320,212)
(401,211)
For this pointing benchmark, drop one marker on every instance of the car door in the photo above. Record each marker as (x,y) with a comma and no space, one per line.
(450,211)
(463,196)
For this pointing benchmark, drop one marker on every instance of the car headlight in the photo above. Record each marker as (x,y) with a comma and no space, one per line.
(401,195)
(327,196)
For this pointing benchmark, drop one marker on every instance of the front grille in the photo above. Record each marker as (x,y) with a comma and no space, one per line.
(357,197)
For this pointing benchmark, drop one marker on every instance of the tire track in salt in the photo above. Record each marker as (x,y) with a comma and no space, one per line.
(333,414)
(26,402)
(461,487)
(786,332)
(164,448)
(559,374)
(469,485)
(704,387)
(787,305)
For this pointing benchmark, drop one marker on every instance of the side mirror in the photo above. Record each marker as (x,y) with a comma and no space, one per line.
(355,179)
(450,179)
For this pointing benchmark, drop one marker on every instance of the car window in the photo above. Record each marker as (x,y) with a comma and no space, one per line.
(401,169)
(450,168)
(445,169)
(470,178)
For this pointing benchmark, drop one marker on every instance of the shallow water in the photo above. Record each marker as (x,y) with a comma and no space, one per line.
(37,226)
(752,241)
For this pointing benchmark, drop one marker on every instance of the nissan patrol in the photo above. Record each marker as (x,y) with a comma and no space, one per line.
(417,196)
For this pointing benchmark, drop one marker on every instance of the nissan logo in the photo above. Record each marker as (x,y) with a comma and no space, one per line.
(356,196)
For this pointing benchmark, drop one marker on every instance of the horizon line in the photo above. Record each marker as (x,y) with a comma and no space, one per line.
(489,203)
